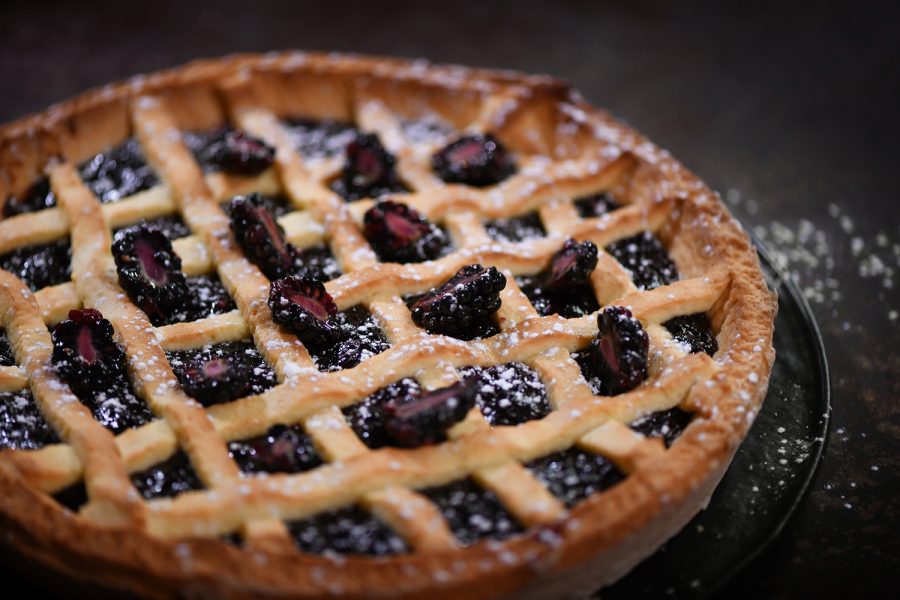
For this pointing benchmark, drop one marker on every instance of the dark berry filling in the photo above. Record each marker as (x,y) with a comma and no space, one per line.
(478,160)
(243,356)
(346,531)
(472,512)
(22,427)
(150,272)
(595,206)
(172,226)
(317,262)
(118,172)
(305,308)
(40,266)
(206,297)
(573,475)
(72,497)
(261,237)
(277,205)
(694,331)
(282,449)
(167,479)
(366,416)
(38,197)
(425,419)
(7,357)
(647,259)
(457,307)
(564,288)
(323,138)
(400,234)
(508,394)
(368,171)
(665,424)
(427,129)
(230,150)
(360,337)
(516,229)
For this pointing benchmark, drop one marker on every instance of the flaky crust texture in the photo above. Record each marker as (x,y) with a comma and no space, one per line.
(117,544)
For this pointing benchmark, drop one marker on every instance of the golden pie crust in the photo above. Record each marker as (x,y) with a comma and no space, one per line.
(566,149)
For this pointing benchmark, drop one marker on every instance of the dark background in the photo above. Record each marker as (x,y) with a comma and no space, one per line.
(790,111)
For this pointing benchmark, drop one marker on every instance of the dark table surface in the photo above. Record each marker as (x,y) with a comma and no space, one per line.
(790,112)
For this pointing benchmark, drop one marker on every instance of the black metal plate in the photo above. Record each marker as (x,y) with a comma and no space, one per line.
(769,476)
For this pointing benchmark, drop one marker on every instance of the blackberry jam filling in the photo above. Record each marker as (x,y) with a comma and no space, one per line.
(346,531)
(366,416)
(172,226)
(665,424)
(360,338)
(564,288)
(22,427)
(38,197)
(508,394)
(72,497)
(596,205)
(693,331)
(400,234)
(369,170)
(428,129)
(516,229)
(282,449)
(572,475)
(236,356)
(118,172)
(167,479)
(317,262)
(472,512)
(206,296)
(7,358)
(647,259)
(320,139)
(40,266)
(230,150)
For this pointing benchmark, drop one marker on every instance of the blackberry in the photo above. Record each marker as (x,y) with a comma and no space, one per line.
(472,512)
(647,259)
(214,379)
(38,197)
(277,205)
(619,354)
(303,306)
(346,531)
(516,229)
(84,352)
(367,418)
(150,272)
(695,331)
(571,265)
(596,205)
(281,449)
(167,479)
(368,171)
(118,172)
(400,234)
(478,160)
(451,309)
(260,376)
(564,287)
(41,265)
(323,138)
(235,152)
(425,419)
(508,394)
(665,424)
(22,426)
(573,475)
(261,237)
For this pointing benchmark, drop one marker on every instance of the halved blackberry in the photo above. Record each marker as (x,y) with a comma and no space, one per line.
(516,229)
(619,354)
(366,416)
(41,265)
(303,306)
(472,294)
(596,205)
(232,151)
(84,352)
(118,172)
(564,287)
(360,338)
(22,426)
(368,171)
(150,272)
(478,160)
(260,376)
(278,205)
(170,478)
(281,449)
(472,512)
(346,531)
(647,259)
(572,475)
(261,237)
(695,331)
(214,379)
(400,234)
(425,418)
(508,394)
(665,424)
(314,138)
(38,197)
